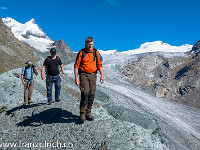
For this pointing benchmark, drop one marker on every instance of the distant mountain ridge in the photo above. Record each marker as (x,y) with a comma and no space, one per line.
(159,46)
(13,52)
(26,30)
(175,78)
(29,33)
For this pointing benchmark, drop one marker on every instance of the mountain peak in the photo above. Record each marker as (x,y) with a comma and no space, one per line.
(29,33)
(32,21)
(148,45)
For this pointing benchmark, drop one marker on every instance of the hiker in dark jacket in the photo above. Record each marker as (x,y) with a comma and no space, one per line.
(27,77)
(86,65)
(52,64)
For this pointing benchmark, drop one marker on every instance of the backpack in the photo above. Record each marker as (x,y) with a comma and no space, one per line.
(32,70)
(101,58)
(49,60)
(84,53)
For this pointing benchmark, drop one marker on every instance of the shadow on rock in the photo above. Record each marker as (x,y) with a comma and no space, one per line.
(9,112)
(53,115)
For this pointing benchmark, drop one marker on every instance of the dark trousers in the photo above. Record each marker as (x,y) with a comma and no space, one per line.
(49,83)
(88,88)
(28,90)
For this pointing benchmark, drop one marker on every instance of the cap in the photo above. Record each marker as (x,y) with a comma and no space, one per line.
(53,50)
(29,62)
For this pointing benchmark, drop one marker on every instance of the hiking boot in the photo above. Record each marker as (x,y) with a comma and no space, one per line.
(49,102)
(89,117)
(24,102)
(58,100)
(29,102)
(82,119)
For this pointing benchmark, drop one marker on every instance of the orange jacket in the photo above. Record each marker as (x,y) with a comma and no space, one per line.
(88,64)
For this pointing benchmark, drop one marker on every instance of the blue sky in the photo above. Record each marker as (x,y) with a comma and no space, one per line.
(114,24)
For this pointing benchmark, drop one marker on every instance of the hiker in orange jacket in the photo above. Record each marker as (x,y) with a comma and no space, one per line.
(86,66)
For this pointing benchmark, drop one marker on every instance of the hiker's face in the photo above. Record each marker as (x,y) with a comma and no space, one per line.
(53,54)
(89,45)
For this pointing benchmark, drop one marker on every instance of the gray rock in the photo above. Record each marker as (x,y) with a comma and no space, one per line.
(63,51)
(59,123)
(196,48)
(174,78)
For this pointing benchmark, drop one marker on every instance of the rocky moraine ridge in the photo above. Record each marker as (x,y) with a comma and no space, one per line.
(174,78)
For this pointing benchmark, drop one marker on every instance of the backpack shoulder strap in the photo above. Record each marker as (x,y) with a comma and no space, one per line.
(48,59)
(32,70)
(57,58)
(95,52)
(83,53)
(25,70)
(77,56)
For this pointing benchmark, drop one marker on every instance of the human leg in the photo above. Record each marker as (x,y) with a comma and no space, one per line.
(25,92)
(30,91)
(92,87)
(57,82)
(49,84)
(84,87)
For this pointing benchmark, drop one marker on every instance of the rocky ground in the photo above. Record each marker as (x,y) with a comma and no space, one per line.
(40,123)
(174,78)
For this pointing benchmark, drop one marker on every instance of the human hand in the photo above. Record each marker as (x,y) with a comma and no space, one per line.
(63,75)
(102,79)
(42,76)
(77,82)
(23,82)
(36,73)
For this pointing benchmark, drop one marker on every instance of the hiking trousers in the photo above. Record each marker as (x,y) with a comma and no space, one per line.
(88,88)
(28,90)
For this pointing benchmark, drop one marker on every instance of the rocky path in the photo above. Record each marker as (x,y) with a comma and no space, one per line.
(56,126)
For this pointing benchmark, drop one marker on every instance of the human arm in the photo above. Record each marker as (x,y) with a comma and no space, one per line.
(42,72)
(63,73)
(36,72)
(99,66)
(22,77)
(102,77)
(76,67)
(76,76)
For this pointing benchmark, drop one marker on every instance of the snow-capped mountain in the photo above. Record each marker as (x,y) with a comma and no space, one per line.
(33,35)
(29,33)
(158,46)
(108,52)
(151,47)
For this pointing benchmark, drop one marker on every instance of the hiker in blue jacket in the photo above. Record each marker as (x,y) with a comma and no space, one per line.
(27,77)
